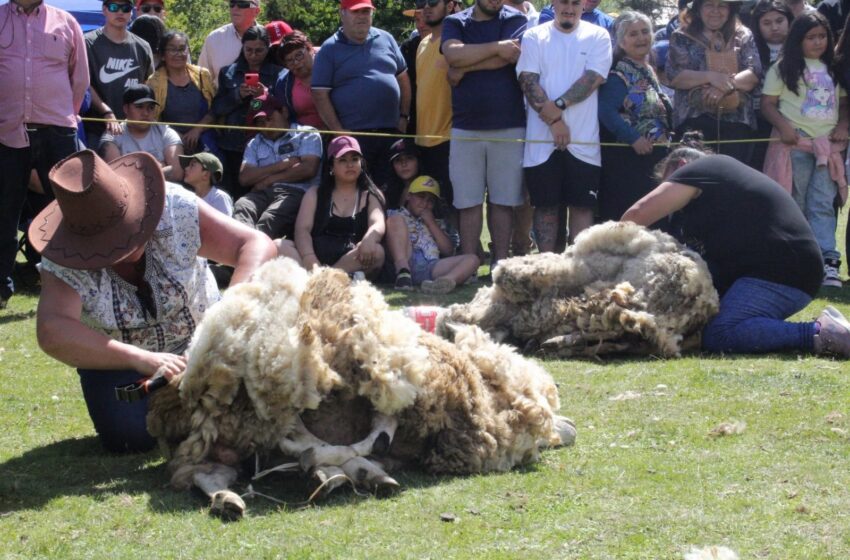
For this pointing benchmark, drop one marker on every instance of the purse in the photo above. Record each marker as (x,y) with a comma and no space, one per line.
(724,60)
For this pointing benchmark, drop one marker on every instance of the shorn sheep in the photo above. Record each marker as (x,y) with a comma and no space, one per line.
(621,288)
(320,369)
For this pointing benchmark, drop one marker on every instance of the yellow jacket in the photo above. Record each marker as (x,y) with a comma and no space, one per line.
(199,76)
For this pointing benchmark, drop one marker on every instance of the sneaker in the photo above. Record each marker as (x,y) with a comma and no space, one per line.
(403,280)
(834,335)
(831,278)
(438,287)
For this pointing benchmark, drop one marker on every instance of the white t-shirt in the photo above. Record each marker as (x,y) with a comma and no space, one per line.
(220,200)
(221,48)
(560,59)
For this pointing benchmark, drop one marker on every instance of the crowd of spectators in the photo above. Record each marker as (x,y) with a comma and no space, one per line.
(246,127)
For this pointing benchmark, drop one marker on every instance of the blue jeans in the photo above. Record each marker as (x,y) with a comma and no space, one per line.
(814,192)
(752,319)
(121,426)
(47,147)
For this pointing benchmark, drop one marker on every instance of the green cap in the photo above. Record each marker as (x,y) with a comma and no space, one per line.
(208,161)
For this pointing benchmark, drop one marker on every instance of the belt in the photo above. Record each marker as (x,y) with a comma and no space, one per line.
(36,126)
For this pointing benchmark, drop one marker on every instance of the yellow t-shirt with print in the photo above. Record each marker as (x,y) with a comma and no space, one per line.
(814,109)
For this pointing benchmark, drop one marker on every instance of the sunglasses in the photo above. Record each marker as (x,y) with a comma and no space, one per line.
(431,3)
(241,4)
(148,8)
(115,7)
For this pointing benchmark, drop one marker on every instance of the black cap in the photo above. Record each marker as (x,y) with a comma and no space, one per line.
(138,94)
(405,147)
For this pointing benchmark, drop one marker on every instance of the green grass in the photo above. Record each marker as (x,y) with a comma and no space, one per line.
(645,479)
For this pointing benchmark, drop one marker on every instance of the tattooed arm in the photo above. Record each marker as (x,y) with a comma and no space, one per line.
(529,82)
(582,88)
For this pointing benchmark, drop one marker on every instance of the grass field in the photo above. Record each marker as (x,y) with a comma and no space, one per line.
(646,478)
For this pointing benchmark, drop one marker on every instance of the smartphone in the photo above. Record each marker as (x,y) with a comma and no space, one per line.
(252,79)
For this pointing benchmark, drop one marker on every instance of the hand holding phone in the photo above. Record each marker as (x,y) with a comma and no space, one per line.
(252,79)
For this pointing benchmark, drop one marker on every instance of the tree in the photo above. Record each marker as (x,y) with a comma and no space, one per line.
(320,18)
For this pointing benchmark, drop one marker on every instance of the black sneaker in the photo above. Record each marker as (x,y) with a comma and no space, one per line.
(403,280)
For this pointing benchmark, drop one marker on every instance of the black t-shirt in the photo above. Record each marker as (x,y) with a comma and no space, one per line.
(745,224)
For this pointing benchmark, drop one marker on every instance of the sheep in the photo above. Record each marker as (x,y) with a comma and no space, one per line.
(321,369)
(621,288)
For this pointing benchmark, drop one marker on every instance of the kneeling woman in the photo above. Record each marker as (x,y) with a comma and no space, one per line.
(763,256)
(123,251)
(341,222)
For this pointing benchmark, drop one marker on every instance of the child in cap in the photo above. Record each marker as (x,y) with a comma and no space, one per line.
(201,172)
(422,252)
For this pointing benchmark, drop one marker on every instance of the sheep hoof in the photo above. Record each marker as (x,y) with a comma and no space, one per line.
(382,444)
(227,505)
(330,478)
(566,430)
(308,460)
(385,486)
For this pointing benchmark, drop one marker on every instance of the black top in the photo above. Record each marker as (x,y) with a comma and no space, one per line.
(746,224)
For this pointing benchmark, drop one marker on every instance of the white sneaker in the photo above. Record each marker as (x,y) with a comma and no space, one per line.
(831,277)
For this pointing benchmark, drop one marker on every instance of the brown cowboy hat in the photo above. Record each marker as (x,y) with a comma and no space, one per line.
(102,212)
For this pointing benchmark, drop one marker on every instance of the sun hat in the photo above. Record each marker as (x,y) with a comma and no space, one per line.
(208,161)
(103,212)
(341,145)
(424,184)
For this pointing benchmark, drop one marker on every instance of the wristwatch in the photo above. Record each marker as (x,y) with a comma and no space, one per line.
(560,103)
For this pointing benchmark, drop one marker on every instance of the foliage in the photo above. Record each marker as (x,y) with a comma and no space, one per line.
(197,18)
(320,18)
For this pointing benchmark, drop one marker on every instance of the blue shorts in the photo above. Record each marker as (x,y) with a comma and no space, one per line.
(421,267)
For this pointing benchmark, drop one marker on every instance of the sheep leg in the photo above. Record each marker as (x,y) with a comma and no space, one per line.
(379,439)
(366,474)
(312,451)
(215,483)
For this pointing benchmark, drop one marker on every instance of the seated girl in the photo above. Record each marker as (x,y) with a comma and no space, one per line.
(417,241)
(341,222)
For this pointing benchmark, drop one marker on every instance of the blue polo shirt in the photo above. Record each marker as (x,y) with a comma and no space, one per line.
(306,141)
(362,79)
(486,99)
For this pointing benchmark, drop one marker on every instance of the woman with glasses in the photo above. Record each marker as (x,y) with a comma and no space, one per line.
(233,99)
(184,93)
(713,65)
(292,88)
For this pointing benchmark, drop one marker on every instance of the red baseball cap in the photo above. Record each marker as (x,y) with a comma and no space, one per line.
(277,30)
(341,145)
(356,4)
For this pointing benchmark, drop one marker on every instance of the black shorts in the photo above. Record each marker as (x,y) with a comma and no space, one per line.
(562,179)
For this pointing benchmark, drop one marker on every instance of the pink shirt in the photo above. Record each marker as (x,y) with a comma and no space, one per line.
(302,102)
(43,70)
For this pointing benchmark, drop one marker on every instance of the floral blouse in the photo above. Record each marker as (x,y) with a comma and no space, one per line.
(631,104)
(686,53)
(182,286)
